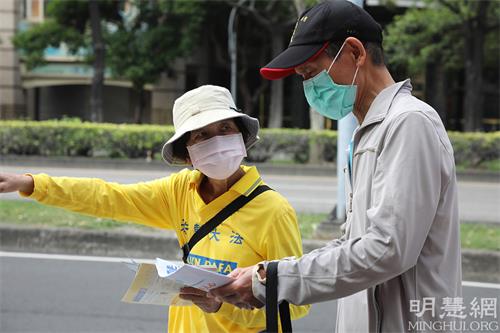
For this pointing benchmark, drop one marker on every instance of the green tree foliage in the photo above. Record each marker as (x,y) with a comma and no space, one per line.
(66,22)
(150,38)
(34,41)
(449,35)
(423,34)
(436,32)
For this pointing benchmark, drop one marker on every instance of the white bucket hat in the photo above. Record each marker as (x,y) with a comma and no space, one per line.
(203,106)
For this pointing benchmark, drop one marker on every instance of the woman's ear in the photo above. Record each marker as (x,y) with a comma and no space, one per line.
(358,51)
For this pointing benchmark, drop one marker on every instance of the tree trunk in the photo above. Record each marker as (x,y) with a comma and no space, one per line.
(474,46)
(246,95)
(315,149)
(317,120)
(434,88)
(139,107)
(96,114)
(276,108)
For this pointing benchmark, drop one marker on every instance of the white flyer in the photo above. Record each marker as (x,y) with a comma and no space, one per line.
(194,276)
(160,283)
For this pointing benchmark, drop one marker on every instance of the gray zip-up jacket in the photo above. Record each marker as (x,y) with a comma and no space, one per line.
(402,235)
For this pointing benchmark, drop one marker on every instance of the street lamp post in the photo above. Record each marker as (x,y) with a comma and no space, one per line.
(232,46)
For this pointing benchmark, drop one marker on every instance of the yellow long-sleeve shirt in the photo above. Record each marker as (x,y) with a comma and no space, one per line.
(264,229)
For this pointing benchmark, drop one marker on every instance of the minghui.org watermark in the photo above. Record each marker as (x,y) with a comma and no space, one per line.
(452,314)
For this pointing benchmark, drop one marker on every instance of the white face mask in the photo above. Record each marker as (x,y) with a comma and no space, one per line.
(218,157)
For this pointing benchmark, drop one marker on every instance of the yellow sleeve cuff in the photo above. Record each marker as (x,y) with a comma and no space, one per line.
(38,187)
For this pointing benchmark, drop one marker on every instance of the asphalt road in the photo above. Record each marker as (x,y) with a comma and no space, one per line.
(478,201)
(81,294)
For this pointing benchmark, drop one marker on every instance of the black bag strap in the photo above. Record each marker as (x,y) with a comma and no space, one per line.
(221,216)
(272,303)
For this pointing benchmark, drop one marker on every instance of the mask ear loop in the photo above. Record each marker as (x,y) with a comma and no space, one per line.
(355,73)
(336,56)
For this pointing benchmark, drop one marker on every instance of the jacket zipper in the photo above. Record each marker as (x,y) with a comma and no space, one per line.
(378,322)
(350,202)
(351,182)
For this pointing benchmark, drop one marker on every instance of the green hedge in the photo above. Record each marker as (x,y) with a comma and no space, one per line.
(75,138)
(475,149)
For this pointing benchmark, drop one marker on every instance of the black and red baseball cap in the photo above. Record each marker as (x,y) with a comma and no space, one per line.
(332,20)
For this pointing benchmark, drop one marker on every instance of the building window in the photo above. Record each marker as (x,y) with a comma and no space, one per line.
(34,10)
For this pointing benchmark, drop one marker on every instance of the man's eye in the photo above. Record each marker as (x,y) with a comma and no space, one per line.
(306,75)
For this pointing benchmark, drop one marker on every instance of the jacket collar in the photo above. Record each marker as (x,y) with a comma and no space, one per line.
(382,103)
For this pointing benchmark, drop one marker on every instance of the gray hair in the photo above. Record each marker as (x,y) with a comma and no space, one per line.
(374,51)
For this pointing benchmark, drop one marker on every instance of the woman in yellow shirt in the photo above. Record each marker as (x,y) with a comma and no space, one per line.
(213,137)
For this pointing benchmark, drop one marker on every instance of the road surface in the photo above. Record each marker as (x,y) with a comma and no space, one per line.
(478,201)
(51,293)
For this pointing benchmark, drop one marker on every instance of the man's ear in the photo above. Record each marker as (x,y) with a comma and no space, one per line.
(358,51)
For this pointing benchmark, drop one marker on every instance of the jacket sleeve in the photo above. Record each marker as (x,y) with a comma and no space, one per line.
(405,195)
(330,244)
(144,203)
(283,240)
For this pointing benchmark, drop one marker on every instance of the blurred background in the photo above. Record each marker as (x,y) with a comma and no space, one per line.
(125,61)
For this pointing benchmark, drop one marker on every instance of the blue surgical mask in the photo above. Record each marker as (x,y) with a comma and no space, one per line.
(334,101)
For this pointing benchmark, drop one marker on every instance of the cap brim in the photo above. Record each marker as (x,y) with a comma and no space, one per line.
(284,64)
(204,119)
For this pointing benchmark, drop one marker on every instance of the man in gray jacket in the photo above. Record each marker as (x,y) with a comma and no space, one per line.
(398,264)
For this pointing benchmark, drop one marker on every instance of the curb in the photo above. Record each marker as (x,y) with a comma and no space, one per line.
(322,170)
(477,265)
(87,242)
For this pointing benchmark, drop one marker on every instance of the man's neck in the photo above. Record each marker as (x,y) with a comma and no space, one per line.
(377,79)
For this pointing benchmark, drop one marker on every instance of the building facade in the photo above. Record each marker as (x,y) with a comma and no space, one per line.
(12,97)
(61,87)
